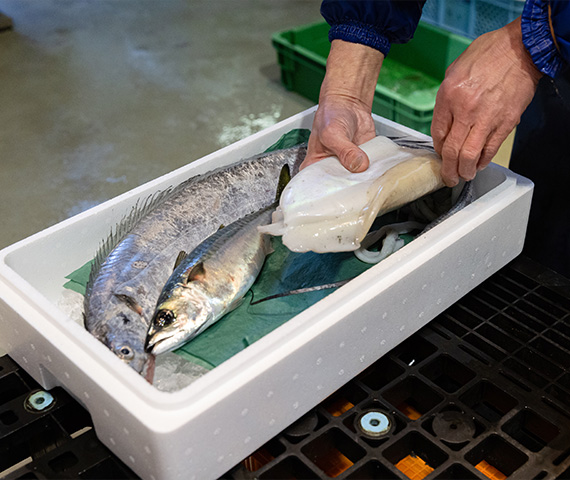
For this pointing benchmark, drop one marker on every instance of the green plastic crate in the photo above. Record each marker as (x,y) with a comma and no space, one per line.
(409,79)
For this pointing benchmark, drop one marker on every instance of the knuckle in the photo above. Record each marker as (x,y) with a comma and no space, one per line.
(449,152)
(469,156)
(438,132)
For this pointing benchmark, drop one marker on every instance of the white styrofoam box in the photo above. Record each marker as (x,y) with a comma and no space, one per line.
(204,429)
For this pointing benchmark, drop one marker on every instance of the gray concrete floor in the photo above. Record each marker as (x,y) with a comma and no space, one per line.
(98,97)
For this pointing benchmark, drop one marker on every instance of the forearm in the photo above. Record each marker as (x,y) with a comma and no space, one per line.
(361,34)
(352,72)
(343,119)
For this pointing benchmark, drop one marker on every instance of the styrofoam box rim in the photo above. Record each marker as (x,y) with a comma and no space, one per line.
(88,369)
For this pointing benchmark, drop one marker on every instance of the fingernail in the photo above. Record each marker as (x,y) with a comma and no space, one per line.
(355,163)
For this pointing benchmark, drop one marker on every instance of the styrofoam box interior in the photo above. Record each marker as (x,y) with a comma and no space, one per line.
(204,429)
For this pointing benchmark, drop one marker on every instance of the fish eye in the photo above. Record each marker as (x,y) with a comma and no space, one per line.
(125,352)
(165,318)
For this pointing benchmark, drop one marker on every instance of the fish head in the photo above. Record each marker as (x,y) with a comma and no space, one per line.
(125,332)
(133,354)
(178,319)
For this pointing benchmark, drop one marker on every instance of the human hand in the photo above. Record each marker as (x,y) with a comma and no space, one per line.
(481,100)
(343,119)
(341,123)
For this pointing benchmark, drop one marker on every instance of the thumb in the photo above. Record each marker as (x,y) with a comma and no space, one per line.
(352,158)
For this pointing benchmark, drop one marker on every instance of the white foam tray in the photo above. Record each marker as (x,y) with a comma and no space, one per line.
(203,430)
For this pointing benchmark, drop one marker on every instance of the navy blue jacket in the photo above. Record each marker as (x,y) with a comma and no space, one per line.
(379,23)
(375,23)
(548,47)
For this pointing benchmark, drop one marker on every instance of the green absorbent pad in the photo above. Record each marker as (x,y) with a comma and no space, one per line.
(283,271)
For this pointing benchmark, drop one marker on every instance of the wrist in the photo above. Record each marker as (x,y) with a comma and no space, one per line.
(523,56)
(352,72)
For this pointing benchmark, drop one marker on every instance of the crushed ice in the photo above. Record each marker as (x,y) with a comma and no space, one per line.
(172,372)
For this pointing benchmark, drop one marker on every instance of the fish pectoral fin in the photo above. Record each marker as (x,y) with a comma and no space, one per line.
(197,272)
(284,179)
(130,302)
(180,258)
(269,249)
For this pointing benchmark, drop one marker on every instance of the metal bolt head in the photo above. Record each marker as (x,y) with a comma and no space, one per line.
(374,423)
(39,401)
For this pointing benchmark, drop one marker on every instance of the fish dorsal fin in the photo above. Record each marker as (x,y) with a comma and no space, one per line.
(180,258)
(284,179)
(126,225)
(197,272)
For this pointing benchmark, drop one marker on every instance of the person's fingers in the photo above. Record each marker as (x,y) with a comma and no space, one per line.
(353,158)
(471,151)
(335,141)
(348,153)
(494,142)
(441,124)
(450,152)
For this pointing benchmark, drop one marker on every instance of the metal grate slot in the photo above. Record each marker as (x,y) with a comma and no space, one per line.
(381,374)
(501,340)
(531,430)
(546,305)
(495,457)
(447,373)
(290,467)
(549,350)
(333,452)
(526,372)
(512,328)
(464,316)
(412,397)
(538,363)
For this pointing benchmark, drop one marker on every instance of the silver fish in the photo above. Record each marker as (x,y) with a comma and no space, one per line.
(136,261)
(209,282)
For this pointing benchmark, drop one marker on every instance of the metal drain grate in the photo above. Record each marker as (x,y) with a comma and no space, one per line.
(482,392)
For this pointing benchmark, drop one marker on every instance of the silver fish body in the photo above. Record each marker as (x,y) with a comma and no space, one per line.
(209,282)
(135,263)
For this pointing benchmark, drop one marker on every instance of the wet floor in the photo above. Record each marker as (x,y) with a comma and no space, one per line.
(97,98)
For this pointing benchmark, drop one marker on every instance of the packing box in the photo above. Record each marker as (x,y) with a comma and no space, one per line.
(204,429)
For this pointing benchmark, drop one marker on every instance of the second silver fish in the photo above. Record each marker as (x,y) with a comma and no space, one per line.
(209,282)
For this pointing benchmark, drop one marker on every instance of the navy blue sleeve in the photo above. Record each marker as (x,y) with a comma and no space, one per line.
(375,23)
(546,34)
